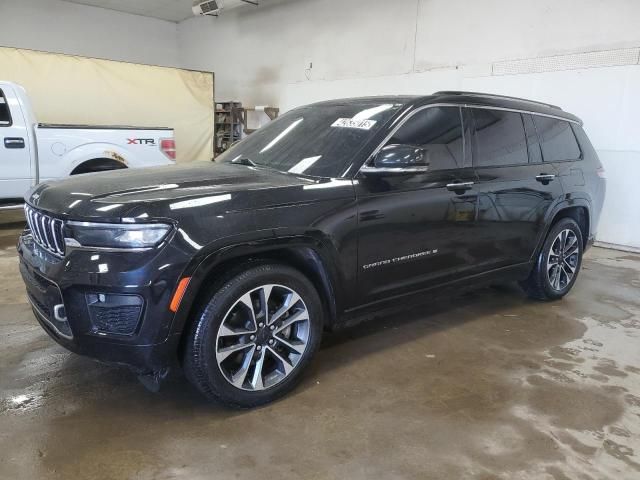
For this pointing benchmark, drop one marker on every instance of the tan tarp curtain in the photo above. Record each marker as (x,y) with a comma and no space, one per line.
(79,90)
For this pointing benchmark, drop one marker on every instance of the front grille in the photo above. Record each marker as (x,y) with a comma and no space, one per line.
(47,231)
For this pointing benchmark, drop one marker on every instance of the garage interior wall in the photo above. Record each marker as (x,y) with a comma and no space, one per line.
(79,90)
(580,54)
(64,27)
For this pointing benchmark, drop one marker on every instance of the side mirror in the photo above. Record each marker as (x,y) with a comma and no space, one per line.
(398,160)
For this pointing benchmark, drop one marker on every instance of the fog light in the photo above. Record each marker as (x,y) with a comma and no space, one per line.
(114,314)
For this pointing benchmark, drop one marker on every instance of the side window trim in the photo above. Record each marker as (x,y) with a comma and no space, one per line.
(466,117)
(4,102)
(581,157)
(537,138)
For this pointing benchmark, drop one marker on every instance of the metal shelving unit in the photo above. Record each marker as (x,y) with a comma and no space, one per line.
(228,119)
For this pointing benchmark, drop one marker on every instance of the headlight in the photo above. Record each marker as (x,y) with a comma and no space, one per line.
(115,235)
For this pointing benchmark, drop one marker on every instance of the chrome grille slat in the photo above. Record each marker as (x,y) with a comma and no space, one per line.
(43,224)
(46,230)
(36,223)
(58,226)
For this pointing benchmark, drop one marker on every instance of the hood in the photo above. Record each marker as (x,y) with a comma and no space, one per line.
(168,191)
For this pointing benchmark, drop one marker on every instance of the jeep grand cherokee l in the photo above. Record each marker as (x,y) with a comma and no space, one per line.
(233,269)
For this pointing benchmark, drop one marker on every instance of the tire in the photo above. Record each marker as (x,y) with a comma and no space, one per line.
(226,346)
(552,276)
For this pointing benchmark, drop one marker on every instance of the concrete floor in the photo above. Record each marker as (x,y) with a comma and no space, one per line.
(489,385)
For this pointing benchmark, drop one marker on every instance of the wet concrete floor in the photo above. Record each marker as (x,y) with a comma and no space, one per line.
(483,386)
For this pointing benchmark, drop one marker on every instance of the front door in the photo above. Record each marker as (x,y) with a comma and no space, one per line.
(415,230)
(15,159)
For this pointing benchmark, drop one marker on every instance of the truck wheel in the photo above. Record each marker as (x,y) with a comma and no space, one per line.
(253,337)
(558,263)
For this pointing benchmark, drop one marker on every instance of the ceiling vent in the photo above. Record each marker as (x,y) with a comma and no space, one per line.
(211,7)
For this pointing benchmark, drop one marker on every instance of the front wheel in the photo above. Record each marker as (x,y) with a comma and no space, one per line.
(252,339)
(558,263)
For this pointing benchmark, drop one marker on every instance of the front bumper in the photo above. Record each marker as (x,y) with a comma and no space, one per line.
(63,293)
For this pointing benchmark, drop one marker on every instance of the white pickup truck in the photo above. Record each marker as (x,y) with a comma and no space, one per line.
(32,152)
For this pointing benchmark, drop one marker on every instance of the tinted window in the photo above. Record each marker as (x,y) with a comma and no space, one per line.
(5,116)
(499,138)
(557,138)
(438,131)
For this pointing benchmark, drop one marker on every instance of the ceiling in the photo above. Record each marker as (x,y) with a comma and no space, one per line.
(172,10)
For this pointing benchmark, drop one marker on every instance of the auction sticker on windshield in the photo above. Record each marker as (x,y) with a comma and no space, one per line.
(353,123)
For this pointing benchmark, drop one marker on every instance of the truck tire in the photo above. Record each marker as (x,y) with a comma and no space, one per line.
(558,263)
(252,338)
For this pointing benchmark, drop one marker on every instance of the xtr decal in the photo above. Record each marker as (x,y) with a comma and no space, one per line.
(141,141)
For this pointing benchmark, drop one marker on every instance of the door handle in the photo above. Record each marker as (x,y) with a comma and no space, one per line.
(544,178)
(460,188)
(14,142)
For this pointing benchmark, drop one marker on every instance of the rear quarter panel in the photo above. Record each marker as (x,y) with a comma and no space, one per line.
(61,150)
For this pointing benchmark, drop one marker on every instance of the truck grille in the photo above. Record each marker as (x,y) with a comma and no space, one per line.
(46,230)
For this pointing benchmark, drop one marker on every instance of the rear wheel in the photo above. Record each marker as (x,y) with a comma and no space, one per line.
(558,263)
(254,336)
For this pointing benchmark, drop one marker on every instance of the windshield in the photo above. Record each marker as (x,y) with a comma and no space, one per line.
(318,140)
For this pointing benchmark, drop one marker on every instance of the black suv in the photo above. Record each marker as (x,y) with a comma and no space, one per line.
(233,269)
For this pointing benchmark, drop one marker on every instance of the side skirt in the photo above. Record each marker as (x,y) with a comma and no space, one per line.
(453,288)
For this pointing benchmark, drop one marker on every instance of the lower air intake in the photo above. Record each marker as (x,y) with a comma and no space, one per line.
(114,314)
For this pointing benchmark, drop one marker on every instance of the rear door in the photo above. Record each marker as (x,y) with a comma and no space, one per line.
(15,160)
(515,189)
(560,150)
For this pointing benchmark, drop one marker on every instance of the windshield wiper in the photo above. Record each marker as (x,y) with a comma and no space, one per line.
(244,161)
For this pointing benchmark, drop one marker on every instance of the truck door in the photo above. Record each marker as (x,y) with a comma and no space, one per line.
(15,155)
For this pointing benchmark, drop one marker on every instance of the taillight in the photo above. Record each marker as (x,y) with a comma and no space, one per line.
(168,147)
(600,172)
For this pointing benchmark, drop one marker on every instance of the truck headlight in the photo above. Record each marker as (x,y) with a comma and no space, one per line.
(115,235)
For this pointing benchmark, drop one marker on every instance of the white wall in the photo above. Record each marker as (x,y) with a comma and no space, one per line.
(370,47)
(260,52)
(63,27)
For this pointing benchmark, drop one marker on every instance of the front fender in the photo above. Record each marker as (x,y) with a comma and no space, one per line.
(312,248)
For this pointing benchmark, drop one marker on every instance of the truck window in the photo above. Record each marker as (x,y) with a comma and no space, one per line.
(5,115)
(438,130)
(499,138)
(557,139)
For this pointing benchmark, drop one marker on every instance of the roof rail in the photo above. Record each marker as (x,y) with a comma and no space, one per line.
(491,95)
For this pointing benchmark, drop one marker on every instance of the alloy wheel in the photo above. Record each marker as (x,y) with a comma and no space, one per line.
(562,261)
(262,337)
